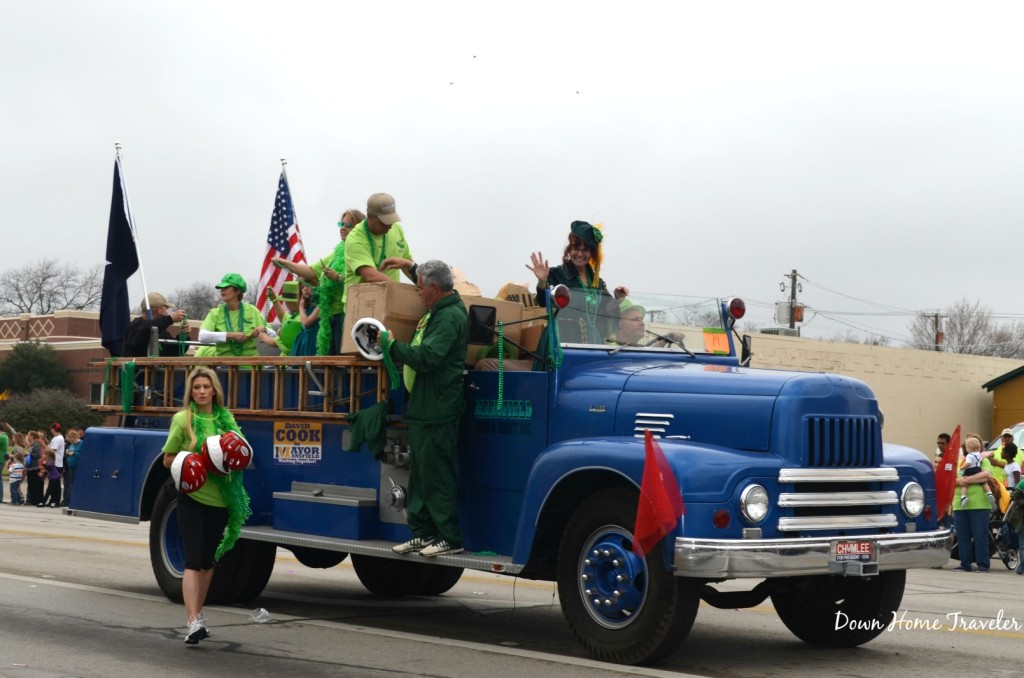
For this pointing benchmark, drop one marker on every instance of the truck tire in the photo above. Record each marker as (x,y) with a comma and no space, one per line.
(254,565)
(389,577)
(317,558)
(654,610)
(166,553)
(837,611)
(440,580)
(240,571)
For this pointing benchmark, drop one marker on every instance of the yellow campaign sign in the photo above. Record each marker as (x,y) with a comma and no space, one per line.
(716,341)
(298,442)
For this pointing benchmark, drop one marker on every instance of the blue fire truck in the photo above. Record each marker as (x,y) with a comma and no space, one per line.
(785,478)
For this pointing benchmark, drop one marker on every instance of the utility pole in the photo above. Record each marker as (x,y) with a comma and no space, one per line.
(792,299)
(939,335)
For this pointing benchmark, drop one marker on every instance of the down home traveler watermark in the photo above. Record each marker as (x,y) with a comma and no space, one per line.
(953,621)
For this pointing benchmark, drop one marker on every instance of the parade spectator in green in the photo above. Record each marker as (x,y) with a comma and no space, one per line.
(433,367)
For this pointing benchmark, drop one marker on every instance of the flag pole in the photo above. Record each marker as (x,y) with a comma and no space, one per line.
(131,225)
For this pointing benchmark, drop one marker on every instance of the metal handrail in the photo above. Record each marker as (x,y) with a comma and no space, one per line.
(327,387)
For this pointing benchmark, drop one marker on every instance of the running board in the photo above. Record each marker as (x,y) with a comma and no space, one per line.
(379,549)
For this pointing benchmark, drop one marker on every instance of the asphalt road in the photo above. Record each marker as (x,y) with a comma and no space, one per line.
(77,598)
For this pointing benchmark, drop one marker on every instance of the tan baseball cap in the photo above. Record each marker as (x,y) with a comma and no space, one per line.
(156,299)
(382,206)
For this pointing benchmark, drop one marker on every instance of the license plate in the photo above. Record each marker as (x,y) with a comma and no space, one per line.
(853,550)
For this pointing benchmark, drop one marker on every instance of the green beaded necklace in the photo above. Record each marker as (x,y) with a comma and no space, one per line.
(235,346)
(592,296)
(373,250)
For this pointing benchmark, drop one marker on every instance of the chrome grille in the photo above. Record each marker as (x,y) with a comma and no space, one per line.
(849,442)
(839,500)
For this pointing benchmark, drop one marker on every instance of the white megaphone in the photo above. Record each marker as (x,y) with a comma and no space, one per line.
(366,334)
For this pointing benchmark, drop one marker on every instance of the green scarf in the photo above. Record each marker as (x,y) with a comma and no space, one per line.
(230,485)
(330,291)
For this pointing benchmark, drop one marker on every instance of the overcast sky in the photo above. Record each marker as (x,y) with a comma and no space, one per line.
(875,147)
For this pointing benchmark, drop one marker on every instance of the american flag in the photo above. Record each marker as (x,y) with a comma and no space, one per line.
(283,240)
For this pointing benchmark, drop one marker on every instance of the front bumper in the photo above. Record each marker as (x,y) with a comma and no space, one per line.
(762,558)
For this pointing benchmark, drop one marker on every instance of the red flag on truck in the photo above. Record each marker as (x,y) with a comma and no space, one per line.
(945,474)
(661,501)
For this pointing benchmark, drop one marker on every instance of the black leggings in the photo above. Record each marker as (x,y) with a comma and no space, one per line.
(201,529)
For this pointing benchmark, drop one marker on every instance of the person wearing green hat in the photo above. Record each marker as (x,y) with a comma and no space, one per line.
(581,270)
(286,305)
(631,324)
(234,326)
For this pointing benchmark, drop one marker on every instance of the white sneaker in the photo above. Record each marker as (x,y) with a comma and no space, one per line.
(414,544)
(196,631)
(441,548)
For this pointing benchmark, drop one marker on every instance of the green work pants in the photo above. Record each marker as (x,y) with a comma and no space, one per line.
(432,490)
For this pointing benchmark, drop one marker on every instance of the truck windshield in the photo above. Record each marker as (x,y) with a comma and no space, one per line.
(652,320)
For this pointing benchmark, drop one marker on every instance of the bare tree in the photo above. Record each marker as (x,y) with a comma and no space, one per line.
(196,300)
(50,285)
(967,328)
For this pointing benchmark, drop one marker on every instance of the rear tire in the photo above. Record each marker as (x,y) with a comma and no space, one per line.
(389,577)
(255,565)
(317,558)
(440,580)
(837,611)
(166,552)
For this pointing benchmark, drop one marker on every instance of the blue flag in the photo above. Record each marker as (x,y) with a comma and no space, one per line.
(122,262)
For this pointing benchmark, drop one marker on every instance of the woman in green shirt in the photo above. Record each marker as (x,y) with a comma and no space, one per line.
(234,326)
(209,518)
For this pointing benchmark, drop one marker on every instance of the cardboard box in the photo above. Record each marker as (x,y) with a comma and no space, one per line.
(398,306)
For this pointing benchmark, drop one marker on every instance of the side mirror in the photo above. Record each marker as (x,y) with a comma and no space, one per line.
(745,352)
(482,321)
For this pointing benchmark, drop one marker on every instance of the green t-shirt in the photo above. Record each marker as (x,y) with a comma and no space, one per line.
(4,442)
(220,320)
(977,493)
(177,440)
(365,249)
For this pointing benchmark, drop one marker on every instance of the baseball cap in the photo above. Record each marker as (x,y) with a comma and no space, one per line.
(382,206)
(627,305)
(1006,432)
(156,300)
(232,280)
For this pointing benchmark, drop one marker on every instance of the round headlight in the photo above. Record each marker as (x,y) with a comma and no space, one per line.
(754,503)
(912,499)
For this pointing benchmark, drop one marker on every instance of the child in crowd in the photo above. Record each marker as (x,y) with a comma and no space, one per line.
(1012,468)
(972,467)
(74,444)
(16,467)
(51,497)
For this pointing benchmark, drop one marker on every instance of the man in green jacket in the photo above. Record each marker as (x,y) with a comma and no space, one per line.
(434,362)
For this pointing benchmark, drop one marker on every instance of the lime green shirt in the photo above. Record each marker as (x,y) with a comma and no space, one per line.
(362,248)
(177,441)
(977,494)
(218,320)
